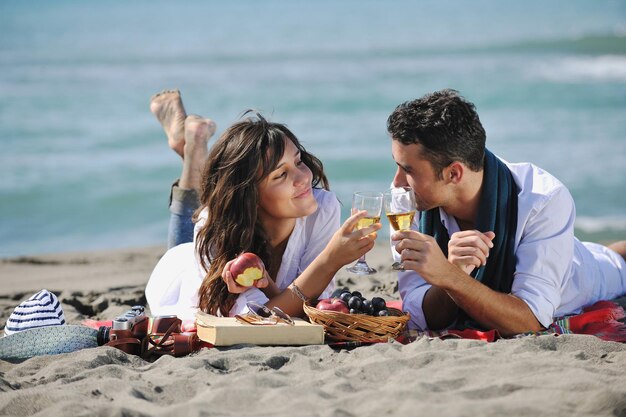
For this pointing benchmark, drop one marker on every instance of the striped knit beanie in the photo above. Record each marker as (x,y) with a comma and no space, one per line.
(41,310)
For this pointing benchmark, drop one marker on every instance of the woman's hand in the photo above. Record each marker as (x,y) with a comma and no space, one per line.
(469,249)
(347,244)
(235,288)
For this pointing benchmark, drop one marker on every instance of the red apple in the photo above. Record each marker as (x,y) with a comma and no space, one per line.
(247,268)
(333,304)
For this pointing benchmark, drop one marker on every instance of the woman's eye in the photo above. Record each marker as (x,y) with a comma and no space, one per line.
(299,163)
(282,175)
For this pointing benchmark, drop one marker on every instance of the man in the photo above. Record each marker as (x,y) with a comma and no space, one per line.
(494,243)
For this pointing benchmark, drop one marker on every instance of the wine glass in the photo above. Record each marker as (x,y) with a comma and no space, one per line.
(371,202)
(400,209)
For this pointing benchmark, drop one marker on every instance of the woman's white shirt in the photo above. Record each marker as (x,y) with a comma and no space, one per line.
(174,283)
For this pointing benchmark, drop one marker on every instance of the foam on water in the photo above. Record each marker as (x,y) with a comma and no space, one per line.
(595,224)
(610,68)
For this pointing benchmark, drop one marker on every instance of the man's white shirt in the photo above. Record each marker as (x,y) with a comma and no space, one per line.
(555,274)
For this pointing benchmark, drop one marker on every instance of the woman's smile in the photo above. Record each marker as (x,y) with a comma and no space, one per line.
(303,194)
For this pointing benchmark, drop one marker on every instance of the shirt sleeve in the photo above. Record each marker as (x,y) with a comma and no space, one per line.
(412,288)
(319,233)
(174,282)
(544,254)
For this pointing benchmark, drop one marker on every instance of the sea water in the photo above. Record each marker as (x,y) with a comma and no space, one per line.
(85,165)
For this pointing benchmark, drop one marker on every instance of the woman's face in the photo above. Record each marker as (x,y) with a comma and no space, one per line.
(286,193)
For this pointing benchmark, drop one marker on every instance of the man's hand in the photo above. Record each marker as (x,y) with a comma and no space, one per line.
(421,253)
(452,287)
(469,249)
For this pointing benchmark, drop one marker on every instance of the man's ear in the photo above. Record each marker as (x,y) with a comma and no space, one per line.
(453,173)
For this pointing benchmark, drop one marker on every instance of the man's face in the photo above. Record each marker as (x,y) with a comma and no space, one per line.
(418,173)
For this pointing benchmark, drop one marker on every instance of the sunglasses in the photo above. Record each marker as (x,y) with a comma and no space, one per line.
(260,314)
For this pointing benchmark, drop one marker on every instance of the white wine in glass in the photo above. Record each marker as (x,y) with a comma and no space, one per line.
(400,209)
(401,221)
(371,202)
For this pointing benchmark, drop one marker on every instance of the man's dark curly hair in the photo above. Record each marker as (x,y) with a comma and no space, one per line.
(445,124)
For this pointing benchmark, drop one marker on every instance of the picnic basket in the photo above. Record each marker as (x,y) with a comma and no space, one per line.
(342,327)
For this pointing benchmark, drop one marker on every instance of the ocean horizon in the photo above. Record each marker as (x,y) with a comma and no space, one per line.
(85,165)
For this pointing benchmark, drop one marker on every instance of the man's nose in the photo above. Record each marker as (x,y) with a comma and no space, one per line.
(399,180)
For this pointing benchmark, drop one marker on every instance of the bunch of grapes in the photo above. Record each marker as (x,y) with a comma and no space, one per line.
(361,305)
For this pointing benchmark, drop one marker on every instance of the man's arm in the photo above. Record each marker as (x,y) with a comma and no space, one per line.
(503,312)
(494,310)
(439,309)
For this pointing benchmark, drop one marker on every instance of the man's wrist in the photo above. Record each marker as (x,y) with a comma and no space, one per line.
(449,278)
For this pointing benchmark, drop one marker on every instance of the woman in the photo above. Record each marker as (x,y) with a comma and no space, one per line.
(257,194)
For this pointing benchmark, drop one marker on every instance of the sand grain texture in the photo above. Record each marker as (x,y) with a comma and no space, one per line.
(535,376)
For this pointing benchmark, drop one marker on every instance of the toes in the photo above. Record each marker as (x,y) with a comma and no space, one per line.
(164,92)
(160,93)
(196,125)
(212,126)
(192,118)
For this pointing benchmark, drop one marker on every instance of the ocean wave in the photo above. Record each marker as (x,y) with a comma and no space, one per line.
(601,224)
(582,68)
(594,45)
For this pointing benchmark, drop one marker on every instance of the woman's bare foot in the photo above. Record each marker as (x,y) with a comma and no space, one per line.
(197,133)
(168,108)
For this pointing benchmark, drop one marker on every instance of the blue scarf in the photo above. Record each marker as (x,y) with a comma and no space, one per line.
(498,213)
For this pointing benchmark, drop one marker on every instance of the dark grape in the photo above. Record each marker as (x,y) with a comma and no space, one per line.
(366,305)
(357,294)
(345,297)
(354,302)
(378,303)
(339,291)
(382,313)
(353,311)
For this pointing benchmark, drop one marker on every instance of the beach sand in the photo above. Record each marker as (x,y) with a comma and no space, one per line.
(533,376)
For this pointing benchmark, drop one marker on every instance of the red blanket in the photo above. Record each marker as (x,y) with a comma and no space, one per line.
(599,319)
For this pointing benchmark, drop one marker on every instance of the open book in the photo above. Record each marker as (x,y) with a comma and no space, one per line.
(227,331)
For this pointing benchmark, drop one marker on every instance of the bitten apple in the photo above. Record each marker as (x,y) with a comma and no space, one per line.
(333,304)
(246,269)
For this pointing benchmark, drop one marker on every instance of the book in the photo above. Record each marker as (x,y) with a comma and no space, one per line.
(228,331)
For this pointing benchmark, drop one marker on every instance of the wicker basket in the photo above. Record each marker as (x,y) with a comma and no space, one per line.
(358,327)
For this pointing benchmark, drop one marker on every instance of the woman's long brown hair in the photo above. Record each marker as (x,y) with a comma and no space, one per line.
(244,155)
